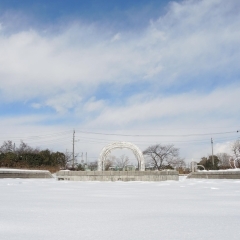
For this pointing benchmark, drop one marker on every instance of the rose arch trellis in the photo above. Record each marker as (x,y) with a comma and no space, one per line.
(107,150)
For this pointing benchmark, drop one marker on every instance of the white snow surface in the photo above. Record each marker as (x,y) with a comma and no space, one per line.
(21,170)
(225,170)
(42,209)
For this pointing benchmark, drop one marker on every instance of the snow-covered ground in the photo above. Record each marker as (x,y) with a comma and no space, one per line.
(42,209)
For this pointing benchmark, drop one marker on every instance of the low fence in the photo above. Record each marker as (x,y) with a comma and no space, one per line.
(218,174)
(117,175)
(19,173)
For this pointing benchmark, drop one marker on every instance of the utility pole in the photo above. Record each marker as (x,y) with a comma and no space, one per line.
(73,148)
(86,157)
(212,153)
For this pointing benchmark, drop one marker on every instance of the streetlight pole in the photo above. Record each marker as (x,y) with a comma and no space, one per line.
(212,153)
(73,148)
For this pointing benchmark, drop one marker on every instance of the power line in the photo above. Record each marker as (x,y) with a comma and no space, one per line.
(136,141)
(158,135)
(56,134)
(106,141)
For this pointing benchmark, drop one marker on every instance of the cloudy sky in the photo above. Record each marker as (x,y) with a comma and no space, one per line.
(144,71)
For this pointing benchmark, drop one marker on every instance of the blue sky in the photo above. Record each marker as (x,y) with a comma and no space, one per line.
(92,10)
(127,67)
(123,14)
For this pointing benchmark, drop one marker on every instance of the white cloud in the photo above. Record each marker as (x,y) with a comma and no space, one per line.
(219,102)
(116,37)
(36,105)
(194,43)
(192,38)
(93,105)
(62,102)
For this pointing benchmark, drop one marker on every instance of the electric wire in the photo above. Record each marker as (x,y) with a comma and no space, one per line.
(56,134)
(136,141)
(159,135)
(64,137)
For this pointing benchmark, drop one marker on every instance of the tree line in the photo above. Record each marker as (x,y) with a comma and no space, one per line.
(25,156)
(221,160)
(157,157)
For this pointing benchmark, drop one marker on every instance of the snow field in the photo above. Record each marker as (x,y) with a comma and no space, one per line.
(32,209)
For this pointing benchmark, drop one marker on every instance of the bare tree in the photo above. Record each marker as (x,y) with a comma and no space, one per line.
(7,146)
(93,165)
(25,148)
(236,151)
(224,160)
(236,148)
(122,161)
(177,163)
(68,160)
(109,162)
(159,156)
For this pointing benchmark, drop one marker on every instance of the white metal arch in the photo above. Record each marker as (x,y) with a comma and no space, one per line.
(107,150)
(194,166)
